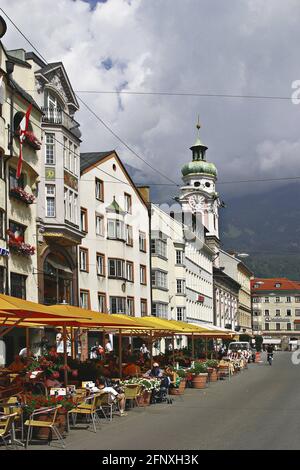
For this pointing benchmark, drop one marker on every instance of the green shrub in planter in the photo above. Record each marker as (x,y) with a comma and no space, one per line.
(199,368)
(212,363)
(181,373)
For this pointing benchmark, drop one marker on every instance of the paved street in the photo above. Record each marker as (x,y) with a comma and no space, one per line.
(257,409)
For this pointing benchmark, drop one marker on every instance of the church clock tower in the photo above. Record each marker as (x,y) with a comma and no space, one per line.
(199,199)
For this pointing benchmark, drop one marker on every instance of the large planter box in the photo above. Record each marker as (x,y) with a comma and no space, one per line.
(200,381)
(179,390)
(144,399)
(212,375)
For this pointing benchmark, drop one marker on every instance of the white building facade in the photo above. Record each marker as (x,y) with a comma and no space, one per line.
(114,260)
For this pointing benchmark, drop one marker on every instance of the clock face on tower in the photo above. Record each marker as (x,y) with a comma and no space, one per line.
(196,202)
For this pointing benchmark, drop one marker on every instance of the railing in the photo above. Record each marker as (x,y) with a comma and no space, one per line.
(58,116)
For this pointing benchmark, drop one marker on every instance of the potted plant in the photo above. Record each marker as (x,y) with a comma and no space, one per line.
(212,366)
(200,374)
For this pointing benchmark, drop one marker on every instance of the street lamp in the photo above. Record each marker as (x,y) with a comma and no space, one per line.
(3,27)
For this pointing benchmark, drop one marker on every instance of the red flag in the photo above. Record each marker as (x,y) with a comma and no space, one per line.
(22,133)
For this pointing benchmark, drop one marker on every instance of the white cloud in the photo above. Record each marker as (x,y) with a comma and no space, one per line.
(210,46)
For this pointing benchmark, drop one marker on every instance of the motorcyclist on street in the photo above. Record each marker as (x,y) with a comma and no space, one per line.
(270,351)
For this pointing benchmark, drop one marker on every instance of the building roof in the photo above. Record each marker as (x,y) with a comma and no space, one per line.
(89,159)
(49,67)
(269,284)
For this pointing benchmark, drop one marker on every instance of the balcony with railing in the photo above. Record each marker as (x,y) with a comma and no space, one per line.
(59,117)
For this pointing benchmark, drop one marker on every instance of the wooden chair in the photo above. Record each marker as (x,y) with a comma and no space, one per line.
(35,423)
(6,424)
(86,408)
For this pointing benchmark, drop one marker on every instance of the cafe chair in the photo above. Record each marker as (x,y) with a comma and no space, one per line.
(105,402)
(35,423)
(6,424)
(87,408)
(132,392)
(8,408)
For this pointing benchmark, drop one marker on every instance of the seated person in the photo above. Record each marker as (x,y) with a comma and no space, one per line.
(52,382)
(155,372)
(115,395)
(172,374)
(131,370)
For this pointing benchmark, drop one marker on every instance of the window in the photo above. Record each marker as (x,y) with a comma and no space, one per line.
(84,219)
(84,299)
(297,326)
(66,154)
(267,326)
(160,310)
(101,302)
(129,271)
(297,312)
(159,279)
(255,300)
(13,181)
(267,313)
(100,262)
(50,149)
(75,160)
(179,257)
(71,156)
(289,312)
(144,309)
(143,274)
(180,286)
(129,235)
(100,225)
(115,229)
(288,299)
(116,268)
(83,259)
(142,241)
(277,313)
(180,313)
(267,300)
(277,300)
(278,285)
(70,205)
(18,230)
(2,280)
(18,285)
(297,299)
(277,326)
(159,247)
(130,306)
(99,189)
(128,203)
(50,200)
(117,304)
(288,326)
(2,226)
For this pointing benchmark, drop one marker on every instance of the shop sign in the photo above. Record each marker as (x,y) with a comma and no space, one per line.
(4,252)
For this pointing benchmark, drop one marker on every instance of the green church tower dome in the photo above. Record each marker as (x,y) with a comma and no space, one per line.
(199,165)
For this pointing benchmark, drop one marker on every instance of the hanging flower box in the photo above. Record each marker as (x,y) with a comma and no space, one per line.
(22,195)
(19,246)
(32,140)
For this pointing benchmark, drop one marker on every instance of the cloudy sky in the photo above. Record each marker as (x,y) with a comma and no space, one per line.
(238,47)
